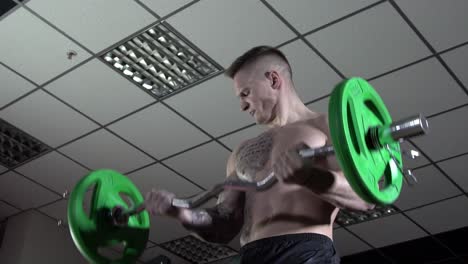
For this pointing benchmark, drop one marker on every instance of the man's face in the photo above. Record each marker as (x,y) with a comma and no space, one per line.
(256,95)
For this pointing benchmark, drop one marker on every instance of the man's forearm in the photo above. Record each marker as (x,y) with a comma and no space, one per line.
(334,188)
(212,224)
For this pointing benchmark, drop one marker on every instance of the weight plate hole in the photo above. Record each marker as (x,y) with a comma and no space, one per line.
(352,132)
(373,108)
(386,179)
(126,198)
(87,201)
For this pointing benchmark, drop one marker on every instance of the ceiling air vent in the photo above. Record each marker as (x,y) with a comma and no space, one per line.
(350,217)
(197,251)
(16,146)
(7,7)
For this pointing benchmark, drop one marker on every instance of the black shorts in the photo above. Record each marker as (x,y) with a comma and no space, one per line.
(306,248)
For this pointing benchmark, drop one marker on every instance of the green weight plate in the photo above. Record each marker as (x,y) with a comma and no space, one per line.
(354,108)
(94,231)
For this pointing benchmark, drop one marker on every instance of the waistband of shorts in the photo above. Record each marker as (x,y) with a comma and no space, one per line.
(319,238)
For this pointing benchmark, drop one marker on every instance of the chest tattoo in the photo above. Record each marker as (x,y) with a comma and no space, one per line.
(253,156)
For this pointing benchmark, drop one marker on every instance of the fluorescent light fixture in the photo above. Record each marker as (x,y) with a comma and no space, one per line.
(161,61)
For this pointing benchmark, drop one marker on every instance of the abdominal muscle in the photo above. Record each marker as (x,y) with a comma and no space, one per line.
(286,209)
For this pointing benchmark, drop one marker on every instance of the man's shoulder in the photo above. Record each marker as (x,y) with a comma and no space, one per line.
(315,120)
(316,125)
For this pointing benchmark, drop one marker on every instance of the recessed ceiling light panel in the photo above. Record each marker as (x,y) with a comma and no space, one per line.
(161,61)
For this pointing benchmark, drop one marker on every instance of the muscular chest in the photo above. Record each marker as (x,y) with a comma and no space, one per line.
(254,157)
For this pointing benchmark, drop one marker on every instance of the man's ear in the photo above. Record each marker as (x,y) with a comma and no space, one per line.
(274,79)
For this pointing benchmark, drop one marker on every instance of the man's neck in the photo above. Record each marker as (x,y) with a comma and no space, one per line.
(291,111)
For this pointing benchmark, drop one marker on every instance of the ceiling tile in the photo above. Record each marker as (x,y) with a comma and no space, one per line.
(347,244)
(235,242)
(6,210)
(456,170)
(153,252)
(241,26)
(57,210)
(13,86)
(457,60)
(95,24)
(442,216)
(99,92)
(421,250)
(306,15)
(407,91)
(364,45)
(54,171)
(164,7)
(205,165)
(102,149)
(371,256)
(235,139)
(320,106)
(408,162)
(212,105)
(449,29)
(161,178)
(14,189)
(447,135)
(160,131)
(387,230)
(150,244)
(48,119)
(452,240)
(312,77)
(47,58)
(164,229)
(430,181)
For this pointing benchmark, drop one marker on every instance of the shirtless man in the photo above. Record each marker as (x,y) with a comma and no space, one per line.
(292,222)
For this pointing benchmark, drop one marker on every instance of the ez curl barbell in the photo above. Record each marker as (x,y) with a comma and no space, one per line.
(365,141)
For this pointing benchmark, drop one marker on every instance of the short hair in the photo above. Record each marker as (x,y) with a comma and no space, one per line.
(252,55)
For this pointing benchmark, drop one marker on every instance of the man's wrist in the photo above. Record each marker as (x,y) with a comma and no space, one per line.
(183,215)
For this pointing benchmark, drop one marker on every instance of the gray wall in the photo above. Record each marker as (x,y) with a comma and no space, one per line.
(12,245)
(34,238)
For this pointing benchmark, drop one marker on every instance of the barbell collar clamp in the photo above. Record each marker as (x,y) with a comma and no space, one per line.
(409,127)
